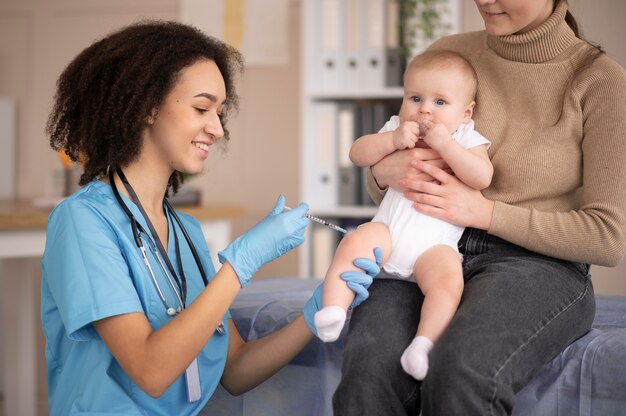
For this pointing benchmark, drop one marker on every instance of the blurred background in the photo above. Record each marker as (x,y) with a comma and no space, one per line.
(39,37)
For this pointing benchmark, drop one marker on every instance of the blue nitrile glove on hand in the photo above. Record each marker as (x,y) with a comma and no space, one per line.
(276,234)
(358,281)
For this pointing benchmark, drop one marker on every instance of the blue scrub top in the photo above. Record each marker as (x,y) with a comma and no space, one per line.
(92,269)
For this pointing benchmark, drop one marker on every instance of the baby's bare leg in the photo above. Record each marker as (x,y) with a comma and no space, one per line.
(336,295)
(439,274)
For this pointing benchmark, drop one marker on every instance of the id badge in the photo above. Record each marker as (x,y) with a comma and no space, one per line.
(192,378)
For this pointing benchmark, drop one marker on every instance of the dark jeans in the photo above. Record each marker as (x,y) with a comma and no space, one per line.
(518,311)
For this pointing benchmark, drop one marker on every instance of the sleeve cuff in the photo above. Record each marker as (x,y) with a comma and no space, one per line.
(510,223)
(80,328)
(376,192)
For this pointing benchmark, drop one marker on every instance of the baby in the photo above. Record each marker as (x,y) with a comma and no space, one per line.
(436,111)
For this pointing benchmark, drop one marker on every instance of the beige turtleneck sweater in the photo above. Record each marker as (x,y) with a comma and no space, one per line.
(558,147)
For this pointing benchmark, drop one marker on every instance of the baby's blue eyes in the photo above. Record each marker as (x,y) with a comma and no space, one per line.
(438,101)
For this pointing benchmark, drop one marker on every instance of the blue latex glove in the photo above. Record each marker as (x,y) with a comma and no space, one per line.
(276,234)
(358,281)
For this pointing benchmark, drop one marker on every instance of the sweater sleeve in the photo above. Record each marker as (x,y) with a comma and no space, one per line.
(596,231)
(377,193)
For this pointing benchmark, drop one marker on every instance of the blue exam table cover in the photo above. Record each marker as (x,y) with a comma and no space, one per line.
(588,378)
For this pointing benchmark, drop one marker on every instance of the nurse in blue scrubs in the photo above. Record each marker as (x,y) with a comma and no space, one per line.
(135,316)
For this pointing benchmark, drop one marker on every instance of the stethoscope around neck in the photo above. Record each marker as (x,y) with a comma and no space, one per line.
(178,285)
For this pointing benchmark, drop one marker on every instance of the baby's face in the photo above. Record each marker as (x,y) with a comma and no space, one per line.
(440,95)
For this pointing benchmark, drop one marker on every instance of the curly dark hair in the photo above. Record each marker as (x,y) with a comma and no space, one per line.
(106,94)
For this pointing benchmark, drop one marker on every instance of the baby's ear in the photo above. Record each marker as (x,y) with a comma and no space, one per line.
(469,111)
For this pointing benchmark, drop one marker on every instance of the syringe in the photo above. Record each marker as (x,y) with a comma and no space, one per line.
(323,222)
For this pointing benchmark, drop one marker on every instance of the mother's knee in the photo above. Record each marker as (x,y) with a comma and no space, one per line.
(463,381)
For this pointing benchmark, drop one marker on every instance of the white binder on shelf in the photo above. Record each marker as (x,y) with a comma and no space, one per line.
(322,151)
(351,56)
(329,35)
(372,75)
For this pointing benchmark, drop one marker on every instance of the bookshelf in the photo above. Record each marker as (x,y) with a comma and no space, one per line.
(350,86)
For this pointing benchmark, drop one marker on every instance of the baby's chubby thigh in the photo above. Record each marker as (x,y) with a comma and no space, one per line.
(359,243)
(362,241)
(336,295)
(440,268)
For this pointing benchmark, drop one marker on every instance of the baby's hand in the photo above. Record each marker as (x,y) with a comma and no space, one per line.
(434,134)
(405,136)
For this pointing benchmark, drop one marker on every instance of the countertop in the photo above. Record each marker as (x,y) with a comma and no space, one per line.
(16,214)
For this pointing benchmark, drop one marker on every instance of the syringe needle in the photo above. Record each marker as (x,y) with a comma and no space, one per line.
(323,222)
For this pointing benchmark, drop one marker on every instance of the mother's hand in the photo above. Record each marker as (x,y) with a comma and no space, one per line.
(399,165)
(447,198)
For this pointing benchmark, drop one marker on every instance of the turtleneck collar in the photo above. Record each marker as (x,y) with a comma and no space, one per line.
(541,44)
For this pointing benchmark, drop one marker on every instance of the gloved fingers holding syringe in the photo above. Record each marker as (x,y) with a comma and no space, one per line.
(270,238)
(323,222)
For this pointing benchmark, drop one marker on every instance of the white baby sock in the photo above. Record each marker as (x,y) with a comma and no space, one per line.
(329,322)
(414,359)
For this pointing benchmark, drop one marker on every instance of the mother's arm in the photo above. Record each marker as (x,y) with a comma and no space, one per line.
(595,230)
(397,167)
(595,233)
(449,199)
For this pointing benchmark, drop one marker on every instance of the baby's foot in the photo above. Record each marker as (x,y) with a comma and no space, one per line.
(414,359)
(329,322)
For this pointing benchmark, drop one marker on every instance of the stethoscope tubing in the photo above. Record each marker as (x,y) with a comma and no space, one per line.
(170,311)
(192,247)
(137,230)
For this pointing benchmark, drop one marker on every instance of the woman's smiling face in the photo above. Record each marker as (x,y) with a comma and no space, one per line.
(189,121)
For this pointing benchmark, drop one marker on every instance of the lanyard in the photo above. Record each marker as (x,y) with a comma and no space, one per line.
(181,281)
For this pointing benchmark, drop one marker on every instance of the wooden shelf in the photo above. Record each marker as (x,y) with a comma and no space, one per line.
(394,93)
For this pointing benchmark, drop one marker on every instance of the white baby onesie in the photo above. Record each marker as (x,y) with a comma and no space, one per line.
(412,233)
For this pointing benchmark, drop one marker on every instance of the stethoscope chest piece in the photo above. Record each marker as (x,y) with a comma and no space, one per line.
(220,328)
